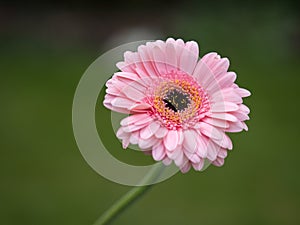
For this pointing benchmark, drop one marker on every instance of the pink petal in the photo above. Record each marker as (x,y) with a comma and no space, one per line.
(227,80)
(180,159)
(190,140)
(125,137)
(142,72)
(193,48)
(131,58)
(189,57)
(125,142)
(171,59)
(144,120)
(198,166)
(179,46)
(221,67)
(133,127)
(224,116)
(216,122)
(218,162)
(161,44)
(113,90)
(134,138)
(227,94)
(161,132)
(126,76)
(167,161)
(132,93)
(193,157)
(116,109)
(202,144)
(203,74)
(180,137)
(147,61)
(237,126)
(225,142)
(121,133)
(125,67)
(158,152)
(159,59)
(245,126)
(244,108)
(241,115)
(243,92)
(222,153)
(144,144)
(210,58)
(171,140)
(210,131)
(135,118)
(140,107)
(223,107)
(122,102)
(212,151)
(175,153)
(150,130)
(170,40)
(185,168)
(218,65)
(150,46)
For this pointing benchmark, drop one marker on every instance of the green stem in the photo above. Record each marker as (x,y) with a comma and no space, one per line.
(130,196)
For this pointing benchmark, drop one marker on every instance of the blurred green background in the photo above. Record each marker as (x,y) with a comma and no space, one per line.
(46,48)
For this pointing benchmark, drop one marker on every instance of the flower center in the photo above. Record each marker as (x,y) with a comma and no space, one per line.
(178,101)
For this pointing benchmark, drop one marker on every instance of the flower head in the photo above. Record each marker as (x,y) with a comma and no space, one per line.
(180,106)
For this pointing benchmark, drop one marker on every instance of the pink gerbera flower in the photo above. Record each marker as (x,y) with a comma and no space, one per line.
(180,105)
